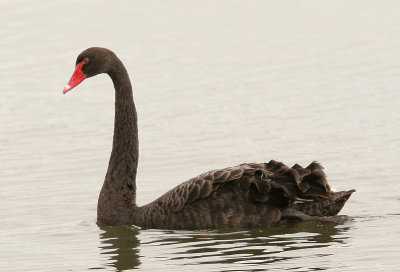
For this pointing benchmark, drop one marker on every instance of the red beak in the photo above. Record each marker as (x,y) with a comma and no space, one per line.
(77,77)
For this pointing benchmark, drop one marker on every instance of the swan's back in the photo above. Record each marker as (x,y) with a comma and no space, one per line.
(243,196)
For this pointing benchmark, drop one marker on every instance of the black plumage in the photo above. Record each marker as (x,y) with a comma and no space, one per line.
(244,196)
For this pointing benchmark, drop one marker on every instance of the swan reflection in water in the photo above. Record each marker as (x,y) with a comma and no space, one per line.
(120,244)
(258,248)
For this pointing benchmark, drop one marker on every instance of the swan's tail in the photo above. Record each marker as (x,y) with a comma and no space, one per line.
(323,207)
(307,189)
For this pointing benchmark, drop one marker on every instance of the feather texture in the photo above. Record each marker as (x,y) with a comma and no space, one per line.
(247,195)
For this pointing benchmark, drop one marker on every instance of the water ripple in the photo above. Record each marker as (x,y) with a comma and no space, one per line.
(257,249)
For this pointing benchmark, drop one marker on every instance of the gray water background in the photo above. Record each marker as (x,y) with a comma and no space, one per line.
(216,83)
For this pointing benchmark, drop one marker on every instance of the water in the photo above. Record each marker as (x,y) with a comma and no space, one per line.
(216,83)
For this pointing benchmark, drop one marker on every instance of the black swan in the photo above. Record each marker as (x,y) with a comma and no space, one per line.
(244,196)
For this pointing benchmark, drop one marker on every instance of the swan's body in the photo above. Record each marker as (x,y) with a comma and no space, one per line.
(247,195)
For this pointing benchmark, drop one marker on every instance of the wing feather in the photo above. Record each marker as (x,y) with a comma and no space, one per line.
(273,183)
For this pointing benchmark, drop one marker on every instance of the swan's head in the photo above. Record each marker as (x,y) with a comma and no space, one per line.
(91,62)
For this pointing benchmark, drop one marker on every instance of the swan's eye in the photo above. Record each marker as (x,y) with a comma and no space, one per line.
(85,60)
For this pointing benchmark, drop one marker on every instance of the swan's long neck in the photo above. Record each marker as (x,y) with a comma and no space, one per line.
(118,196)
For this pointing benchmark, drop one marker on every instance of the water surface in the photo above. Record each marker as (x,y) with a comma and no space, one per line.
(216,83)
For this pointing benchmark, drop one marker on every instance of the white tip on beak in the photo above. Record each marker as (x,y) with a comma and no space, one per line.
(66,88)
